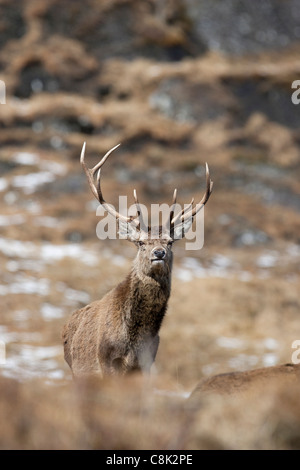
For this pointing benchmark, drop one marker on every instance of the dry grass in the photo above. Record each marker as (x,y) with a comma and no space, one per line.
(131,414)
(234,304)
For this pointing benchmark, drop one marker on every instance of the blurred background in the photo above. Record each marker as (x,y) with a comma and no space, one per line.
(178,83)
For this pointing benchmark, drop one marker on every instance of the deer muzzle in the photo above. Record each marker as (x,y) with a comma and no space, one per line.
(158,255)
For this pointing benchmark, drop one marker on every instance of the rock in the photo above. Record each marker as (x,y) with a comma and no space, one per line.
(241,27)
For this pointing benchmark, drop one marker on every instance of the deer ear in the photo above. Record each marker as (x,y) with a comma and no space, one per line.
(182,228)
(128,231)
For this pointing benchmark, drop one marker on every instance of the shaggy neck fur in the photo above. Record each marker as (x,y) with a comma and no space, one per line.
(146,304)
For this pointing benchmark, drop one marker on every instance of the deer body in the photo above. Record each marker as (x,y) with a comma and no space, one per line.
(119,333)
(250,384)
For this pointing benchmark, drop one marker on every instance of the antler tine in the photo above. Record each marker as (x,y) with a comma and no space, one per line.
(136,201)
(141,224)
(88,172)
(174,197)
(178,216)
(209,187)
(96,189)
(103,160)
(208,191)
(173,206)
(190,211)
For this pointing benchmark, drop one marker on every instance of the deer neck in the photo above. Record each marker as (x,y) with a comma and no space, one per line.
(155,287)
(147,304)
(154,282)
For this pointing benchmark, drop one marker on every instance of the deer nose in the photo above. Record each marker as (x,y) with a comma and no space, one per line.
(159,254)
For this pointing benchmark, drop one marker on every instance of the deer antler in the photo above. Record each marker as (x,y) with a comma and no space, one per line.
(96,188)
(191,211)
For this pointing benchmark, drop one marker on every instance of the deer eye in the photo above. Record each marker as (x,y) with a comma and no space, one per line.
(170,243)
(141,243)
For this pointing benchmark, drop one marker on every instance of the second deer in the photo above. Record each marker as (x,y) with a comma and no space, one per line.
(119,333)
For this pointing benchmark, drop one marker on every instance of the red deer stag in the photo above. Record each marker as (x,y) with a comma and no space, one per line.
(119,333)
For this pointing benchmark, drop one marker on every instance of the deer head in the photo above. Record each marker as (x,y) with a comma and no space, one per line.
(154,244)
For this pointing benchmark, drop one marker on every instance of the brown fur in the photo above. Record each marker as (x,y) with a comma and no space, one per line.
(249,383)
(119,333)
